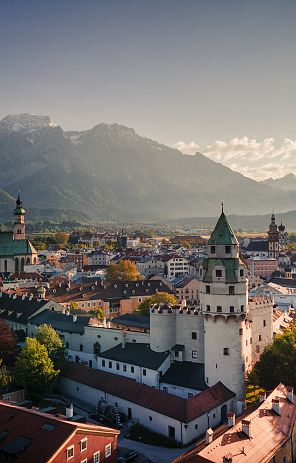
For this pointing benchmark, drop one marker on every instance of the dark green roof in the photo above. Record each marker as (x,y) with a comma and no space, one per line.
(222,233)
(136,354)
(230,265)
(11,247)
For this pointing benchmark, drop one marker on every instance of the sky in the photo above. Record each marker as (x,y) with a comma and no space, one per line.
(217,76)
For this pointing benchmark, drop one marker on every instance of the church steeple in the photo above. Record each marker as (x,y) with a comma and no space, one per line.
(19,220)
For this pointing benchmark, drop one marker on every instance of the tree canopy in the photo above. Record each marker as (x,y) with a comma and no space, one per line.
(7,341)
(125,270)
(277,363)
(5,378)
(34,370)
(157,298)
(49,338)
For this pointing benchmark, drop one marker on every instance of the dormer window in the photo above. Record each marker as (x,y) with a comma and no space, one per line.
(213,249)
(227,249)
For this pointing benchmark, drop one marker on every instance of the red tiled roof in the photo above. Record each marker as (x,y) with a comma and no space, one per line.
(269,432)
(184,410)
(18,421)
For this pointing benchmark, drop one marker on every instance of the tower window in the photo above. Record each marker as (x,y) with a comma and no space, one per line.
(264,322)
(208,308)
(218,273)
(219,308)
(227,249)
(194,335)
(241,272)
(225,351)
(242,308)
(213,249)
(231,308)
(260,337)
(241,331)
(208,289)
(231,289)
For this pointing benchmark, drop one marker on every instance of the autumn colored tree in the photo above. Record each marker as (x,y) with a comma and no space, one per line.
(49,338)
(277,363)
(125,270)
(7,341)
(5,378)
(157,298)
(34,370)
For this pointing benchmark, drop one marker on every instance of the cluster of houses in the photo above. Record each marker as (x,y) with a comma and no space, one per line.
(179,371)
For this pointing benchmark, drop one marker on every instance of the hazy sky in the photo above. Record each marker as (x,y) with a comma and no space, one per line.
(217,73)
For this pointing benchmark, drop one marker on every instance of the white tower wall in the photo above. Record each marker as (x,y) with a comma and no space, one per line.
(162,329)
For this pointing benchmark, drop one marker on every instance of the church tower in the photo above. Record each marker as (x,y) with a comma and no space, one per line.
(282,238)
(224,304)
(19,221)
(273,239)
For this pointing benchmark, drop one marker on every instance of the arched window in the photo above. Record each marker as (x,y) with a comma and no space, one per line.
(35,260)
(5,265)
(17,264)
(22,264)
(28,260)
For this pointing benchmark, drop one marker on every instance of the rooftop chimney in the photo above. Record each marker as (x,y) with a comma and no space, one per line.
(276,405)
(67,312)
(209,436)
(74,318)
(230,419)
(246,424)
(227,458)
(262,396)
(69,411)
(123,341)
(290,394)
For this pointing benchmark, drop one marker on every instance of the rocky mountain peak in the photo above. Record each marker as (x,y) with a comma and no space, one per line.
(25,123)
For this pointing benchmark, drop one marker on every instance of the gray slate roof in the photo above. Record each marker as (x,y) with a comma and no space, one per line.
(16,309)
(186,374)
(133,319)
(136,354)
(60,321)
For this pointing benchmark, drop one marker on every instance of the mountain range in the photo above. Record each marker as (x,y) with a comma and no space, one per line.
(286,183)
(110,172)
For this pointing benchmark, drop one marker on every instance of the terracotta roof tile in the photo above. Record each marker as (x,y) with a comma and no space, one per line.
(184,410)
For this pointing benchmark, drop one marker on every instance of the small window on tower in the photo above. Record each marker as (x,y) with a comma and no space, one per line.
(231,308)
(227,249)
(208,289)
(213,249)
(219,308)
(208,308)
(231,289)
(242,308)
(218,273)
(226,351)
(241,272)
(194,335)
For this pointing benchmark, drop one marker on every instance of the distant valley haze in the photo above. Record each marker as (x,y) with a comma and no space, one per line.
(111,172)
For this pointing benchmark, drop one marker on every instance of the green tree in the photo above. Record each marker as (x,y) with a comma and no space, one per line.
(157,298)
(98,313)
(34,370)
(277,363)
(7,341)
(49,338)
(5,378)
(125,270)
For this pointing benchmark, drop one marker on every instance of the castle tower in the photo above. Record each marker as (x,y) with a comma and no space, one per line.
(224,304)
(19,221)
(282,238)
(273,239)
